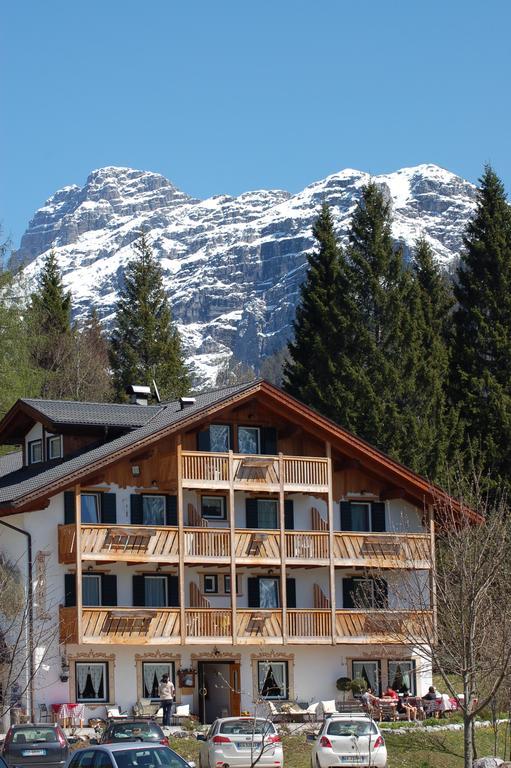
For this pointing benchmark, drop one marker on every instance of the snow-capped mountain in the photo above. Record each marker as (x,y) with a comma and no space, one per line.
(233,265)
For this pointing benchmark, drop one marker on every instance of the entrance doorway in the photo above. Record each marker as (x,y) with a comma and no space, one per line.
(219,690)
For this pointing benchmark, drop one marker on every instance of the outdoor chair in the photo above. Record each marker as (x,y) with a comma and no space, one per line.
(182,712)
(146,708)
(328,708)
(115,713)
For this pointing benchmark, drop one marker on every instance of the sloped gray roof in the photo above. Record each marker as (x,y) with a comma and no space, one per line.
(94,414)
(17,485)
(11,462)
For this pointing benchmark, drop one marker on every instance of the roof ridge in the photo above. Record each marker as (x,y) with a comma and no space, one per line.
(85,402)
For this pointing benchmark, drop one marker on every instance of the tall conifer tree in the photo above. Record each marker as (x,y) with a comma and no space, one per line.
(145,343)
(481,362)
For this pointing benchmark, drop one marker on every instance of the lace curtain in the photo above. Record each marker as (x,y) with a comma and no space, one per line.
(152,676)
(153,510)
(268,593)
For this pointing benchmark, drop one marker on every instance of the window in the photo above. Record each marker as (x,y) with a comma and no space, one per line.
(363,516)
(227,584)
(267,513)
(220,438)
(155,588)
(83,760)
(54,447)
(268,593)
(360,516)
(211,584)
(402,676)
(153,510)
(249,440)
(91,589)
(91,682)
(368,671)
(272,679)
(213,507)
(364,593)
(35,451)
(91,508)
(152,673)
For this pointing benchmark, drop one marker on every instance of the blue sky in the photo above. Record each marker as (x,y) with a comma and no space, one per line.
(225,96)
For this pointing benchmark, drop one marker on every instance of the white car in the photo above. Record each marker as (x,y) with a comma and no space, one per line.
(237,742)
(349,739)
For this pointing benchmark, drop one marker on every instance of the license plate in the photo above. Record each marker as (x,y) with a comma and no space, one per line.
(352,758)
(255,746)
(33,752)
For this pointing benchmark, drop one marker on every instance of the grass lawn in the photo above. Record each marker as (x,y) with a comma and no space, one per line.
(417,749)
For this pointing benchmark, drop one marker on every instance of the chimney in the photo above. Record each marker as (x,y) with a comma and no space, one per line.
(138,395)
(186,402)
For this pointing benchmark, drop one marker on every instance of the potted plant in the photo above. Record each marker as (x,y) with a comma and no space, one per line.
(358,686)
(343,684)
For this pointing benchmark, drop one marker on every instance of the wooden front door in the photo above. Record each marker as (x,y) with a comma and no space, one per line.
(234,686)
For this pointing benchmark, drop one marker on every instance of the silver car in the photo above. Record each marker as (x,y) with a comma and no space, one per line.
(349,739)
(131,755)
(237,742)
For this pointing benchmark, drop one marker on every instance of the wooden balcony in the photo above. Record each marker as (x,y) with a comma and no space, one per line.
(254,473)
(382,626)
(121,543)
(133,626)
(205,624)
(383,550)
(258,626)
(304,625)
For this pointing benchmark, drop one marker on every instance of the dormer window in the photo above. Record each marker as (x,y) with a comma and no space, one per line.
(54,447)
(35,451)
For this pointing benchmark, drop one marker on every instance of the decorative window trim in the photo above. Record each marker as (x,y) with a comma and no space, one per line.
(269,657)
(155,657)
(92,657)
(30,445)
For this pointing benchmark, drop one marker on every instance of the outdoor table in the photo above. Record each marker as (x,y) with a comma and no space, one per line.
(67,713)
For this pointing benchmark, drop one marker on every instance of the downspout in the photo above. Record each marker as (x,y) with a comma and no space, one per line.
(30,614)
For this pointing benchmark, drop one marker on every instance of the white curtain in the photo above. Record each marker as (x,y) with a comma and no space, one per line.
(272,679)
(90,507)
(150,672)
(367,670)
(96,675)
(81,678)
(268,593)
(154,510)
(155,593)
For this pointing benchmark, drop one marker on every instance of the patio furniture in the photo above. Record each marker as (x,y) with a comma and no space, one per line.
(182,712)
(328,708)
(388,709)
(147,708)
(115,713)
(293,712)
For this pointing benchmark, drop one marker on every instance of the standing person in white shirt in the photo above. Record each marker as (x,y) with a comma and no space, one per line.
(167,693)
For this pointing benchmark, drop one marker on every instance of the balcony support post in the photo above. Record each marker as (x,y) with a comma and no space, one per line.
(432,577)
(78,547)
(232,540)
(282,526)
(181,541)
(330,503)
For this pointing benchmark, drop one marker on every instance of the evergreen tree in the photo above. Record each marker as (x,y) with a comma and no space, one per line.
(481,361)
(145,343)
(322,337)
(51,304)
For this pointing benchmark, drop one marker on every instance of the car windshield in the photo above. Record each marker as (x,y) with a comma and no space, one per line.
(246,727)
(22,735)
(351,728)
(148,758)
(130,730)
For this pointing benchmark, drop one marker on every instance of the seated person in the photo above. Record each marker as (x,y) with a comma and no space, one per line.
(405,707)
(371,702)
(390,693)
(429,700)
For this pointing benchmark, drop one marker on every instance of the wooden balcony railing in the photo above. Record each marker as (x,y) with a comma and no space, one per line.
(208,623)
(258,623)
(309,624)
(211,470)
(257,544)
(383,550)
(123,543)
(307,545)
(146,626)
(207,542)
(383,626)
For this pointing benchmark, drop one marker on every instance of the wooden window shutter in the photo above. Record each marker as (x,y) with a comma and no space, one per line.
(252,519)
(69,507)
(108,589)
(346,524)
(291,593)
(70,589)
(269,441)
(108,508)
(204,440)
(378,516)
(347,593)
(253,591)
(136,509)
(289,515)
(138,590)
(171,510)
(173,591)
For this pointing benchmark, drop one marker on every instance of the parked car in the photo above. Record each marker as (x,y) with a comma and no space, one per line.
(349,739)
(36,745)
(3,764)
(128,755)
(133,730)
(236,741)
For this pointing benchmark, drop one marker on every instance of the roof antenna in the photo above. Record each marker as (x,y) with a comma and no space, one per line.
(156,393)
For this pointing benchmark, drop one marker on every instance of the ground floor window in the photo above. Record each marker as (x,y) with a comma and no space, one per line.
(152,673)
(368,671)
(272,677)
(402,677)
(91,682)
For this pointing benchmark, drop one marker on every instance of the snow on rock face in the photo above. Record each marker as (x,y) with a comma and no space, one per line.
(233,266)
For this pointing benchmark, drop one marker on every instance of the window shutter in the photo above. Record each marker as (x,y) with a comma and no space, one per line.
(289,515)
(346,524)
(137,515)
(231,437)
(173,591)
(381,594)
(69,590)
(252,520)
(204,441)
(171,510)
(108,508)
(291,593)
(253,592)
(69,507)
(138,590)
(347,593)
(108,589)
(269,441)
(378,516)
